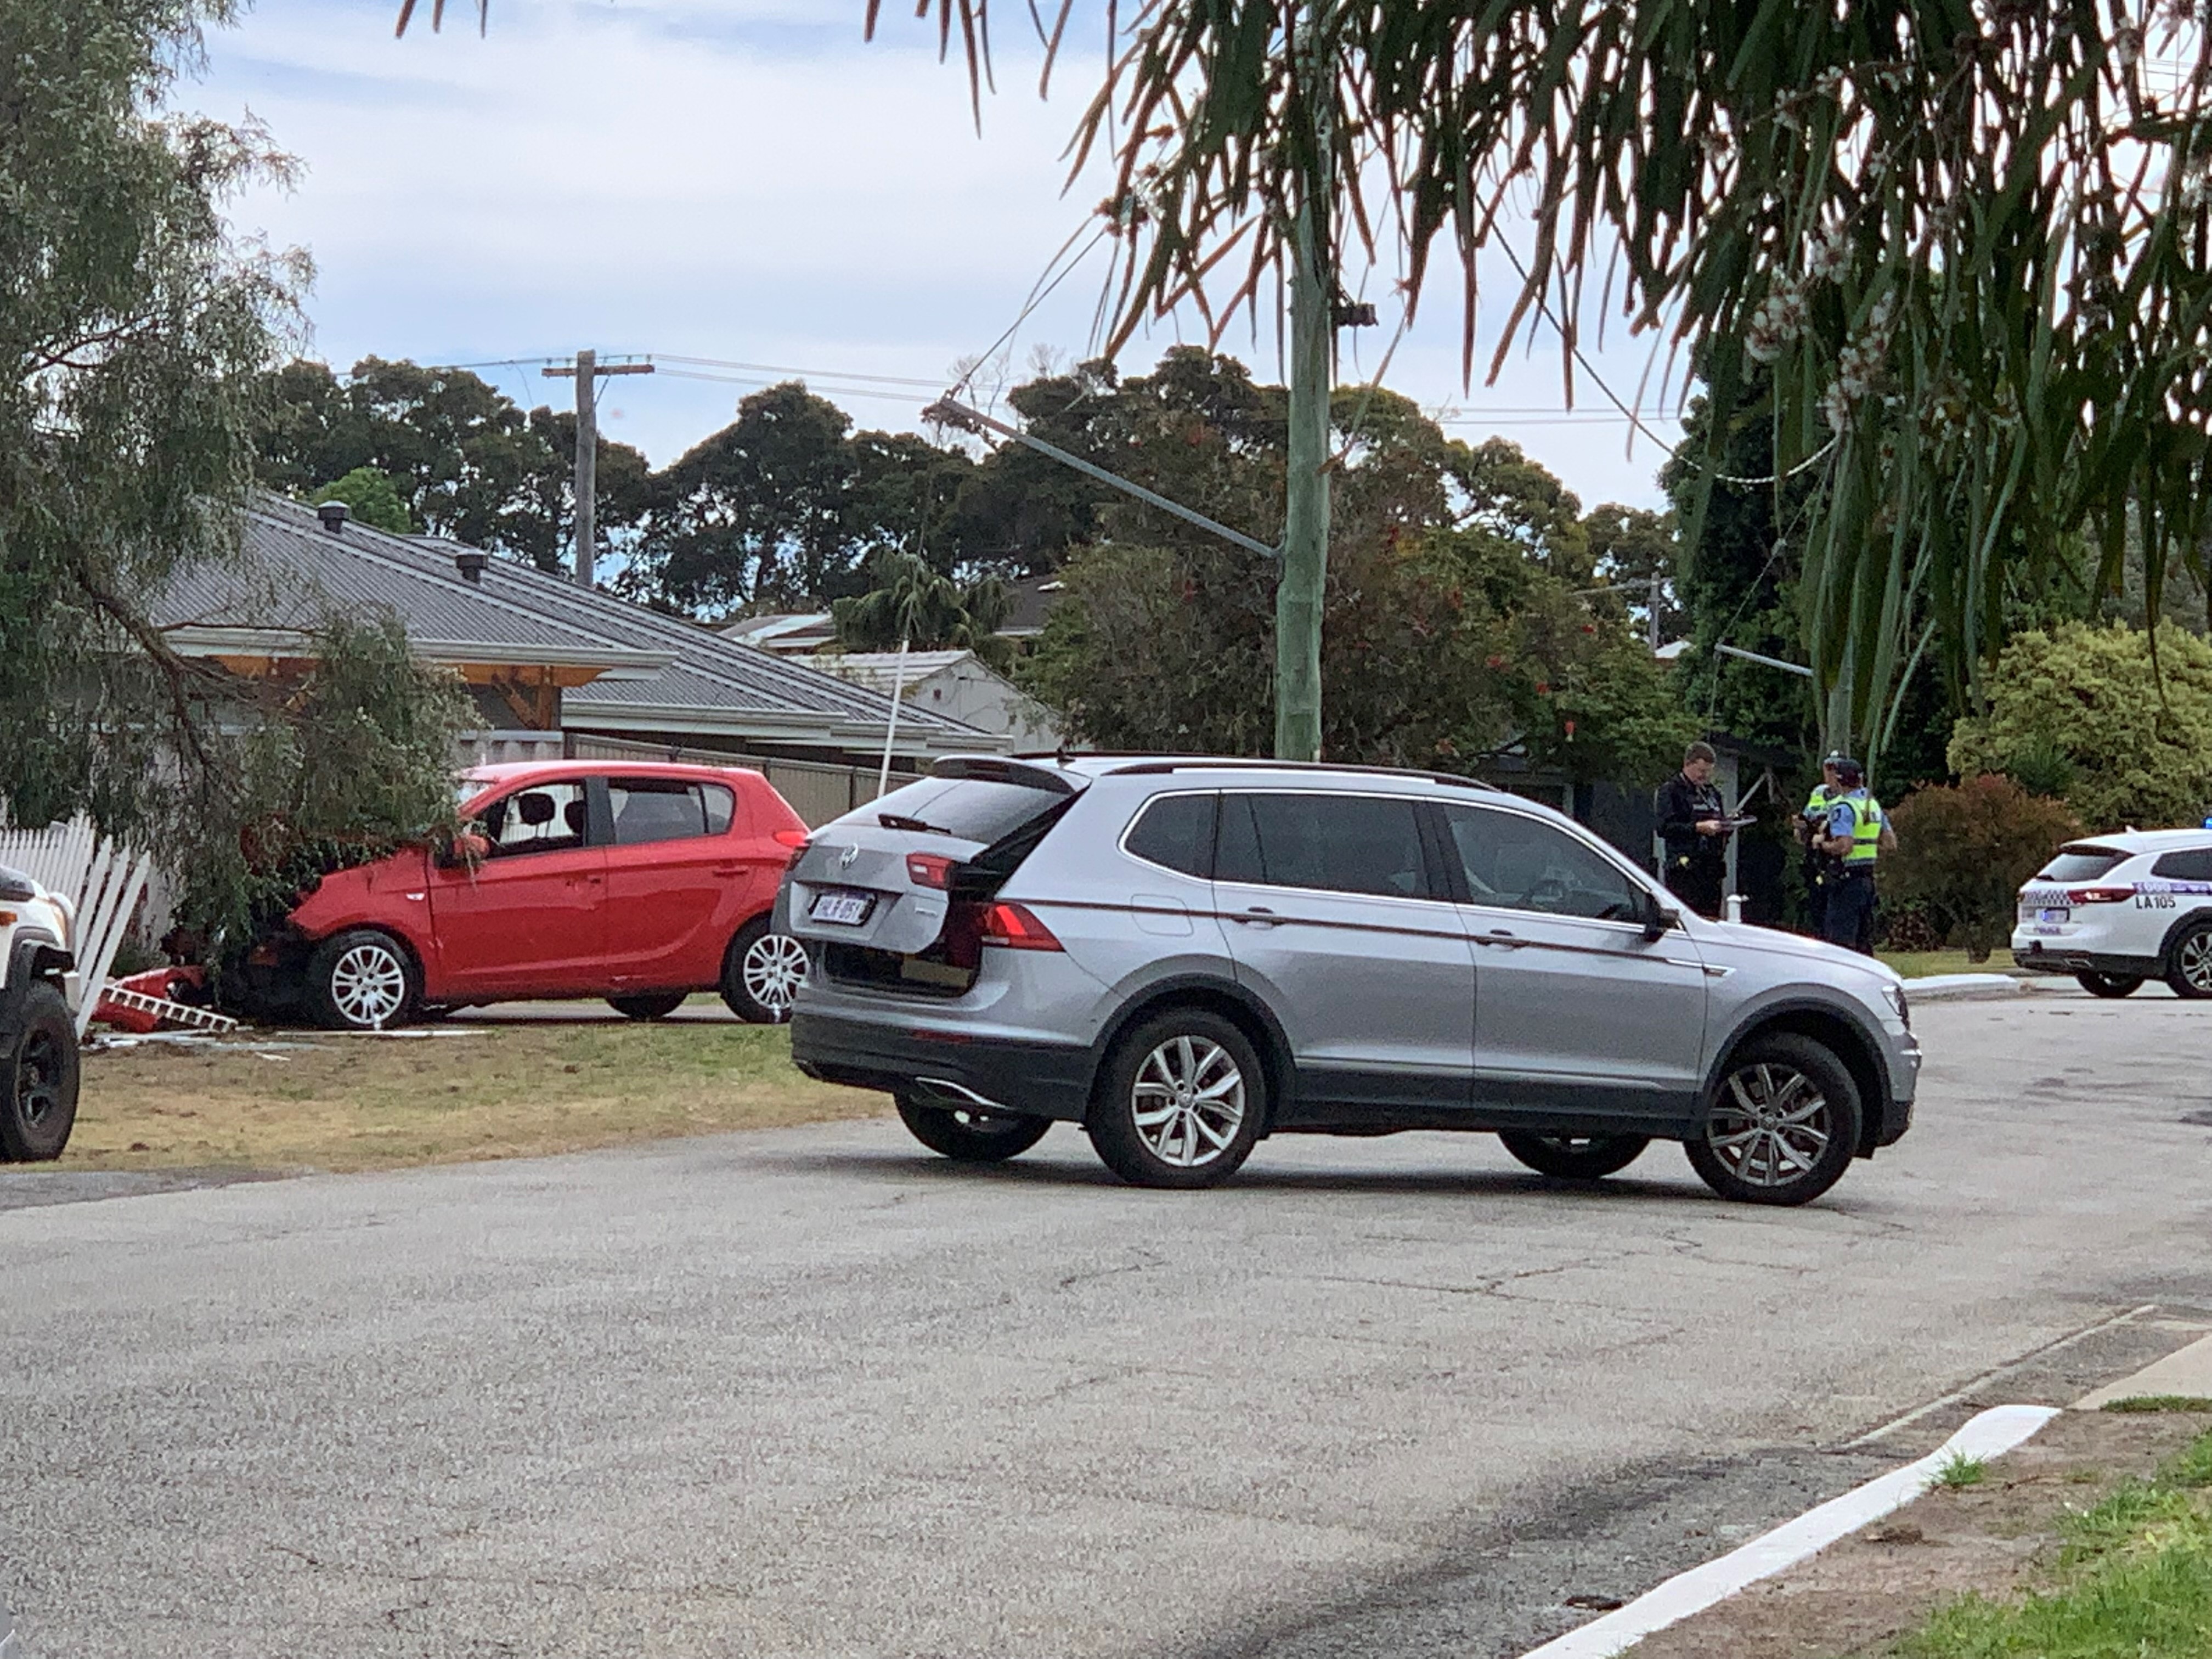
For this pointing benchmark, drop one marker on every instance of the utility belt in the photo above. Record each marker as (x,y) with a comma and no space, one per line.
(1854,873)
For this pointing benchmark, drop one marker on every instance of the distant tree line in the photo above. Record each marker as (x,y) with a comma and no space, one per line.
(1473,607)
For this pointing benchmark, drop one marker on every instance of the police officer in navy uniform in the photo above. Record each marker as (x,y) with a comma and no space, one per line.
(1821,872)
(1694,826)
(1858,834)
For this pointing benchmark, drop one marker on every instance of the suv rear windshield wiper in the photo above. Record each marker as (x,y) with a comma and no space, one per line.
(896,821)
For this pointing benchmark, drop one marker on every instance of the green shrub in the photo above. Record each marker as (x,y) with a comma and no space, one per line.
(2079,710)
(1963,851)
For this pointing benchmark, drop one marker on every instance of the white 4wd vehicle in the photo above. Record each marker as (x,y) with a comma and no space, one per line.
(38,1037)
(2116,910)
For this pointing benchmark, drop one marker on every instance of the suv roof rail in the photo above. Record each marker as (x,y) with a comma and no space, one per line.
(1230,763)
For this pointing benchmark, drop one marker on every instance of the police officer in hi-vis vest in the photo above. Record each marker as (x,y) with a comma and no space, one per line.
(1821,872)
(1858,834)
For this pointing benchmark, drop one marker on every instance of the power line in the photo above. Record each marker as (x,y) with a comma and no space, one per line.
(816,387)
(808,373)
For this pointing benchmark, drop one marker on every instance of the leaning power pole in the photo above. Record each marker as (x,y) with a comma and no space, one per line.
(588,373)
(1305,509)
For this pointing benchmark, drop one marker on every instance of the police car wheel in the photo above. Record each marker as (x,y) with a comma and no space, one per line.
(2110,985)
(2189,964)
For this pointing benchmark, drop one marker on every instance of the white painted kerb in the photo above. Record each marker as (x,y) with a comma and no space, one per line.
(1989,1434)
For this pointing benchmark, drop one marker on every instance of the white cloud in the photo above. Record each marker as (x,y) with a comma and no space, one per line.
(732,179)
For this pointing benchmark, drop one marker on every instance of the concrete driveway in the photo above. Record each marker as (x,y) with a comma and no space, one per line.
(814,1393)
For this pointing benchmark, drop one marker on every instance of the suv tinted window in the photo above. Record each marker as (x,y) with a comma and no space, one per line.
(2081,864)
(974,809)
(1175,831)
(1338,843)
(2193,865)
(666,809)
(546,817)
(1521,863)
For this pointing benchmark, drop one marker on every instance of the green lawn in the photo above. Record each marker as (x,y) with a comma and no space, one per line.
(1919,964)
(2134,1582)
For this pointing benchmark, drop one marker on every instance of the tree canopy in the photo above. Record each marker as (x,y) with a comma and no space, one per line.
(1969,242)
(1459,626)
(468,462)
(136,335)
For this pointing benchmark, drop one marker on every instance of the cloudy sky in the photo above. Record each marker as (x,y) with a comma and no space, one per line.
(745,181)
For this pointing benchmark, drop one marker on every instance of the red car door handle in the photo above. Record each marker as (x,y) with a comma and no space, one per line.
(729,869)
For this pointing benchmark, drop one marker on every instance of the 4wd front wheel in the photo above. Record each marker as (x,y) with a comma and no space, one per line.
(2110,985)
(968,1136)
(1181,1102)
(1574,1158)
(648,1004)
(1783,1124)
(38,1105)
(362,980)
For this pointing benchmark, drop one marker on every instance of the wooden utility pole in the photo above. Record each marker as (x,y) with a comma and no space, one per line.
(1305,516)
(588,372)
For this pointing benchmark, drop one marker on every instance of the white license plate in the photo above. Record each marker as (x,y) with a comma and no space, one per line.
(850,909)
(2060,914)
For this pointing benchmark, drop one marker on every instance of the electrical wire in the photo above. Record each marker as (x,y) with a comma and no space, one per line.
(1674,451)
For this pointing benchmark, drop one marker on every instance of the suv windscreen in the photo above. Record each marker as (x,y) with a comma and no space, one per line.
(1336,843)
(974,809)
(1518,863)
(2081,864)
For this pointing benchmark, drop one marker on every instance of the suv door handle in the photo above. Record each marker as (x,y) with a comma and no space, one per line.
(1499,936)
(1258,916)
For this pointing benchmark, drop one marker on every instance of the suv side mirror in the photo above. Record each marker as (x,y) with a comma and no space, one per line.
(1658,920)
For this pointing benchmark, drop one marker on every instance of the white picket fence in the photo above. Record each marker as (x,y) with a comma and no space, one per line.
(99,876)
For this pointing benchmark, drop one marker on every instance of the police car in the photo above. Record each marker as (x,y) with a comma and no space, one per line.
(2116,910)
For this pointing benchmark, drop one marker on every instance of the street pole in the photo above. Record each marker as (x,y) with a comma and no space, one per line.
(587,467)
(1306,518)
(588,374)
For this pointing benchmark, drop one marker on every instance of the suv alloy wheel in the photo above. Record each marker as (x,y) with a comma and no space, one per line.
(1784,1124)
(1179,1102)
(2189,969)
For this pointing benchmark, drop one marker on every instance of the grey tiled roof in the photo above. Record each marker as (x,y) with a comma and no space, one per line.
(292,570)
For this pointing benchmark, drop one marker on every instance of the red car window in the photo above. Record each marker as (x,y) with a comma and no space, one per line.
(667,808)
(543,818)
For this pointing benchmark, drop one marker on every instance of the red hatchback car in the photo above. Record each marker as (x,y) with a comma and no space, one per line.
(639,884)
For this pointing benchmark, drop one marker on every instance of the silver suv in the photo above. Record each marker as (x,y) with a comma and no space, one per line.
(1186,955)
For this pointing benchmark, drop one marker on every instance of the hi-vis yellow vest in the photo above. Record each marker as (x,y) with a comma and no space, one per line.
(1866,828)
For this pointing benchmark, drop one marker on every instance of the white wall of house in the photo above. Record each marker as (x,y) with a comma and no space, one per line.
(956,684)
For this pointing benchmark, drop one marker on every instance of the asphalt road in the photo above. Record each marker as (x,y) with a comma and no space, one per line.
(814,1393)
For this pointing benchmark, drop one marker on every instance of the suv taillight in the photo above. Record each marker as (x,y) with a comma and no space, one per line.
(929,870)
(2099,894)
(1015,927)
